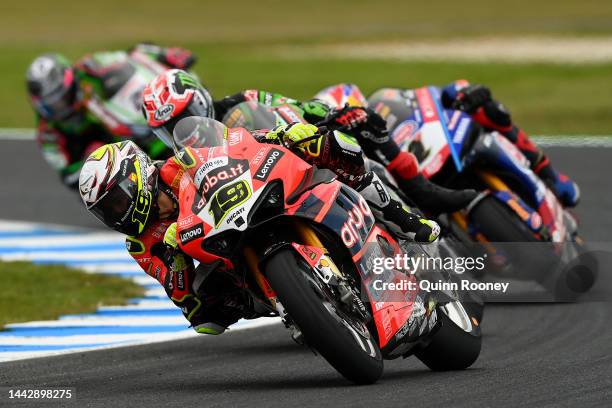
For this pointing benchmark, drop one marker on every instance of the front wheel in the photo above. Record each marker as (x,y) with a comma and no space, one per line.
(456,344)
(342,340)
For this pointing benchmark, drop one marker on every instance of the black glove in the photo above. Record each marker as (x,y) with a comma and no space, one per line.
(370,130)
(434,199)
(471,98)
(179,58)
(227,103)
(357,118)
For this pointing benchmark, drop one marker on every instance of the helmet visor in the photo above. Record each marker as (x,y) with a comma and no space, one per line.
(115,207)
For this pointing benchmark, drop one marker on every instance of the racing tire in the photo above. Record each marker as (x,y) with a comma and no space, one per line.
(498,223)
(292,280)
(454,346)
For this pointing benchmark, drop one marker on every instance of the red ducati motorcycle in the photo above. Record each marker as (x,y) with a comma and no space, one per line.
(303,246)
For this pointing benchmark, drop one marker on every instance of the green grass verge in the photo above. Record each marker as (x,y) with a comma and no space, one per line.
(236,41)
(78,22)
(42,292)
(544,99)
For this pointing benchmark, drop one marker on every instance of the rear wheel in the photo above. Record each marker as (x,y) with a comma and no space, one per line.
(540,261)
(498,223)
(500,226)
(456,345)
(343,340)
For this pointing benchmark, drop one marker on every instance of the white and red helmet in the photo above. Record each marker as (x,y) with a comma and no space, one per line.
(118,184)
(172,96)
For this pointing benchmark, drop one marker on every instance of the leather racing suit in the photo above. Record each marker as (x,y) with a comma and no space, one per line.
(219,303)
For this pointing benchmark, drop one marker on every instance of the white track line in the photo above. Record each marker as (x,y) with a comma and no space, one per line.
(58,241)
(16,134)
(544,140)
(155,292)
(514,50)
(103,321)
(145,306)
(79,339)
(112,268)
(140,340)
(68,257)
(574,141)
(152,304)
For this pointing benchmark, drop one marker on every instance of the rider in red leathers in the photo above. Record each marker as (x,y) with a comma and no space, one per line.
(123,188)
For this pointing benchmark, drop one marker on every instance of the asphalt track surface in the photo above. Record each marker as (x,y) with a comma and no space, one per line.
(533,354)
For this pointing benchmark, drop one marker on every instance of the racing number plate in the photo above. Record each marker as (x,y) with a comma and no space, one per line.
(228,198)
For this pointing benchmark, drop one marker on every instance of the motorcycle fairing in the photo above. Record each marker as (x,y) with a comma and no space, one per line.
(407,113)
(341,94)
(227,202)
(350,214)
(331,204)
(497,151)
(286,114)
(392,310)
(121,110)
(439,133)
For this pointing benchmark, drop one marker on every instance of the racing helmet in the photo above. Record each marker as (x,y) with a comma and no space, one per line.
(52,86)
(172,96)
(118,184)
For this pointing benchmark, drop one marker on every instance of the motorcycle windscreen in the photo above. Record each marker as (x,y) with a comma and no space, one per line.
(251,115)
(199,132)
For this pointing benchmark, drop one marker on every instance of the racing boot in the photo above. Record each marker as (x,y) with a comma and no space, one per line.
(222,304)
(209,317)
(393,214)
(564,188)
(432,198)
(216,317)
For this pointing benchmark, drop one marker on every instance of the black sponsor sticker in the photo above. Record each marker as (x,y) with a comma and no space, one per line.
(239,221)
(192,233)
(163,112)
(198,203)
(180,280)
(268,164)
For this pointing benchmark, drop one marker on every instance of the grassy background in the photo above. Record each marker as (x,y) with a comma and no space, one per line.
(35,292)
(236,41)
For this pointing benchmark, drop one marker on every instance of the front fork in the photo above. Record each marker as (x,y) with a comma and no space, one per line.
(313,252)
(307,236)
